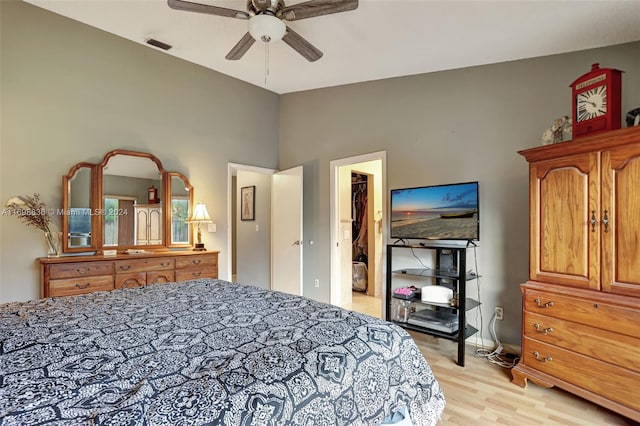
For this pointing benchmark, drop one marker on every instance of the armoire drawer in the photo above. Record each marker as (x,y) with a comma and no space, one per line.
(80,285)
(80,269)
(592,312)
(145,265)
(605,345)
(609,381)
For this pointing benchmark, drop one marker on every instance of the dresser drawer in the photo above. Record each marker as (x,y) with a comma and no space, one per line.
(161,277)
(80,269)
(612,382)
(133,279)
(144,265)
(73,286)
(605,345)
(204,260)
(193,273)
(592,312)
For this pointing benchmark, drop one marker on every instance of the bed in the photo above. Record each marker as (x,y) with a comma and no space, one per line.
(207,352)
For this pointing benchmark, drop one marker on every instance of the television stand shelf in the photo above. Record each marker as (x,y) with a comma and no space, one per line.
(437,318)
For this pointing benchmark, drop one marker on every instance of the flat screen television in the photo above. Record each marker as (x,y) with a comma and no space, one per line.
(437,212)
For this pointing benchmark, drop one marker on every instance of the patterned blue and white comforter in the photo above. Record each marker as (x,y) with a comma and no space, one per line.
(206,352)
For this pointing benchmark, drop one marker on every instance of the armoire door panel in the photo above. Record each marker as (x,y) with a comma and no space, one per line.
(621,234)
(564,243)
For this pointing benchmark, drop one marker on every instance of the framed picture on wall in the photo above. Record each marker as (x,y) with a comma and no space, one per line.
(247,203)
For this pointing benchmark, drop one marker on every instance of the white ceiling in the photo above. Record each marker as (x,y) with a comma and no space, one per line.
(380,39)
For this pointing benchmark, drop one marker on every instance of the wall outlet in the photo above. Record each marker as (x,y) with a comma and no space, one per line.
(499,313)
(316,282)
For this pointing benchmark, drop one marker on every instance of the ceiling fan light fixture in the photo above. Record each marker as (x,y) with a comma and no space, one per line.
(267,28)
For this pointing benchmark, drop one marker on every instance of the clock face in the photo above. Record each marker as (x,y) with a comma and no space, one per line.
(592,103)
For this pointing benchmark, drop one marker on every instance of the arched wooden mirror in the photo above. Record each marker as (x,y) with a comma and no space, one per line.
(126,201)
(79,206)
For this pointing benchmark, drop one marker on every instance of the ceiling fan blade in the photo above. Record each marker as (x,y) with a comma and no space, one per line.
(312,8)
(302,46)
(205,8)
(240,48)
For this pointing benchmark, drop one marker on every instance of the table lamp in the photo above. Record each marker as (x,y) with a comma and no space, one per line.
(200,215)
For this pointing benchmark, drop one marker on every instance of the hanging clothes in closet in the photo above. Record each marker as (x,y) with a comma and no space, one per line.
(359,216)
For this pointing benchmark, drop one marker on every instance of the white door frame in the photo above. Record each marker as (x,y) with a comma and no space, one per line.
(232,170)
(334,224)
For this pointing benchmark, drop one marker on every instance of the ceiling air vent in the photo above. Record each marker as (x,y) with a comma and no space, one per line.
(158,44)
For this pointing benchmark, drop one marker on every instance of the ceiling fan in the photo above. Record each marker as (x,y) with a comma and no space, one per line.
(266,21)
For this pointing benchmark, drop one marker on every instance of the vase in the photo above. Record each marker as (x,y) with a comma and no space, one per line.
(52,239)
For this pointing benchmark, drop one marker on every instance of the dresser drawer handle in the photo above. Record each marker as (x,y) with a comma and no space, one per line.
(196,261)
(125,267)
(83,286)
(165,263)
(543,305)
(83,270)
(196,274)
(541,329)
(539,358)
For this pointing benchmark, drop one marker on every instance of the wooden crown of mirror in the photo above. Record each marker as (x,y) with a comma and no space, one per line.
(127,201)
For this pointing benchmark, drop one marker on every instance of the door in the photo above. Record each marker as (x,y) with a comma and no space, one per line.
(619,220)
(286,231)
(565,247)
(142,226)
(155,225)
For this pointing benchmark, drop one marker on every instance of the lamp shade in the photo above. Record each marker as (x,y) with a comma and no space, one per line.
(200,214)
(267,28)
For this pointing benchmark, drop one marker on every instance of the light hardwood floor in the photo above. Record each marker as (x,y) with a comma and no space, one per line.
(481,393)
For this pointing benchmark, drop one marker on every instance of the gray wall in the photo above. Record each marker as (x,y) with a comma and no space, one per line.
(253,237)
(72,93)
(445,127)
(127,186)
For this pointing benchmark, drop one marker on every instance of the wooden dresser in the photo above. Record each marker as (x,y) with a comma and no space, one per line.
(71,275)
(581,305)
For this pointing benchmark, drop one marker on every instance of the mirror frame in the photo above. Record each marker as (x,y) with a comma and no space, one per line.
(96,205)
(66,194)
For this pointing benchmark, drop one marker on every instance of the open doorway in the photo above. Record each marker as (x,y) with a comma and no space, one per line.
(358,232)
(265,238)
(248,242)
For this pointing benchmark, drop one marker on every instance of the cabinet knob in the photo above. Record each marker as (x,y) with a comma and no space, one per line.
(593,221)
(605,221)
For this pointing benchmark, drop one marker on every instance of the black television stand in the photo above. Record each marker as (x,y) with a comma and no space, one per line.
(448,270)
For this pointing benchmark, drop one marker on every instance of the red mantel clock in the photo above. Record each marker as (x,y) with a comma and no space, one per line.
(597,101)
(153,195)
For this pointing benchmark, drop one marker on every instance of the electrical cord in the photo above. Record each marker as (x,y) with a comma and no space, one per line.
(494,356)
(418,259)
